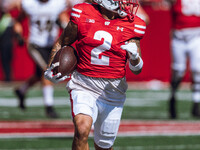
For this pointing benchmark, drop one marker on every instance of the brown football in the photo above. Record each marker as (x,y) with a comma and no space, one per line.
(67,58)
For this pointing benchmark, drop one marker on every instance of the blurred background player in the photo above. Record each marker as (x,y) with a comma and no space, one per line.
(6,42)
(185,45)
(108,36)
(7,36)
(43,16)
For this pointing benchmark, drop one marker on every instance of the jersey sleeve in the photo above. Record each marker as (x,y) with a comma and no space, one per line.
(76,14)
(135,29)
(139,28)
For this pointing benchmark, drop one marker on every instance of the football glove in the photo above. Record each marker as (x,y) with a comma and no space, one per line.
(48,74)
(132,49)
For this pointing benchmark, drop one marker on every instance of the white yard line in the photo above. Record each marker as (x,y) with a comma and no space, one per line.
(133,99)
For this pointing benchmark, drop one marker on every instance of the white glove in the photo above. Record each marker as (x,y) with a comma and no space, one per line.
(131,48)
(48,74)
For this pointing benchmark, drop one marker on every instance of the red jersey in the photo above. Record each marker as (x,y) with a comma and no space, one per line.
(186,14)
(99,41)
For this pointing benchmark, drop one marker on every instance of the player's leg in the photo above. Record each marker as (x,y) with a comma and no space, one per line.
(48,97)
(174,83)
(106,125)
(195,67)
(84,112)
(196,94)
(82,124)
(23,88)
(178,69)
(41,57)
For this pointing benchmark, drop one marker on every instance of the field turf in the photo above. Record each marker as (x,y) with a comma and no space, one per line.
(144,105)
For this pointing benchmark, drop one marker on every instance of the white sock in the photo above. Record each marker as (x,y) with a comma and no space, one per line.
(48,95)
(196,97)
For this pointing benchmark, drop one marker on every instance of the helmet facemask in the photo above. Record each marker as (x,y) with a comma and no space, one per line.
(128,8)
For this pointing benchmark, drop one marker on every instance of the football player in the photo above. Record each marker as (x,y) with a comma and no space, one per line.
(108,34)
(42,15)
(6,41)
(185,45)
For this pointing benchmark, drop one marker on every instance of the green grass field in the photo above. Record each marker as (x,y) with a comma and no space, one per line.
(140,105)
(125,143)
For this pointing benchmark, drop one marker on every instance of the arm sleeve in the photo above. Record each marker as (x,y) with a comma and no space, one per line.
(139,28)
(76,13)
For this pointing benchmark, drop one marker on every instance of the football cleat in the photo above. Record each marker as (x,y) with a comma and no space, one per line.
(195,110)
(172,108)
(50,112)
(21,98)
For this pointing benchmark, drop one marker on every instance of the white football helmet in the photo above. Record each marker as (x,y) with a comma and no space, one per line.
(122,7)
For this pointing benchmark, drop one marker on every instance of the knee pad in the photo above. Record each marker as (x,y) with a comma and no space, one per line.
(106,136)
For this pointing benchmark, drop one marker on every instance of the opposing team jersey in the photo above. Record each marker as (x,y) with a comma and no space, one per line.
(43,16)
(99,41)
(186,14)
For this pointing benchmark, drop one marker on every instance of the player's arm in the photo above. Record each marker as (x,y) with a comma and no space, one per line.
(68,36)
(17,27)
(19,18)
(134,51)
(142,14)
(63,19)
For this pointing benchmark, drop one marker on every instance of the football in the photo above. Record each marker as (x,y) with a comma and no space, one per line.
(67,59)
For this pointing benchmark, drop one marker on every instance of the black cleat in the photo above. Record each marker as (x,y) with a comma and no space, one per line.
(172,108)
(50,112)
(195,110)
(20,97)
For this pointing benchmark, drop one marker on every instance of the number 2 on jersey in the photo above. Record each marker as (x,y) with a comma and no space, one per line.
(96,54)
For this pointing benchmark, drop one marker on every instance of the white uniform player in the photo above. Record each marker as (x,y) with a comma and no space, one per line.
(44,30)
(185,45)
(42,17)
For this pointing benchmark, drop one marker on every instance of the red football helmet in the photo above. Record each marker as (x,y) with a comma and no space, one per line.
(122,7)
